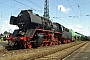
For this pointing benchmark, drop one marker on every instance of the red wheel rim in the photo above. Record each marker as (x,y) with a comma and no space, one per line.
(64,41)
(59,42)
(68,40)
(53,43)
(42,45)
(29,45)
(56,43)
(24,44)
(50,43)
(46,44)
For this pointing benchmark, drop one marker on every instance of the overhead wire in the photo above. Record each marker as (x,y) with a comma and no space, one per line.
(24,5)
(41,8)
(56,15)
(3,3)
(11,7)
(80,10)
(27,6)
(7,9)
(34,4)
(75,12)
(80,3)
(81,13)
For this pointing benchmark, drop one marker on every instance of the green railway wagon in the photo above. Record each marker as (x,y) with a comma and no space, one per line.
(73,34)
(82,37)
(78,36)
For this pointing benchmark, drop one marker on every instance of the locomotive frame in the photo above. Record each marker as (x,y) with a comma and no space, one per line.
(35,31)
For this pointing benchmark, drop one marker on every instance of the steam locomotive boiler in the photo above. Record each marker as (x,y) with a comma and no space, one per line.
(34,31)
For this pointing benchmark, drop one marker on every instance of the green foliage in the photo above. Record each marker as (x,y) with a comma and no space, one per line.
(5,32)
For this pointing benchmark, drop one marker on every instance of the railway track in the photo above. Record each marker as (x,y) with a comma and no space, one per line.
(61,54)
(32,54)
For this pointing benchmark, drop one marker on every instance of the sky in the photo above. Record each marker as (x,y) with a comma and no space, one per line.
(73,14)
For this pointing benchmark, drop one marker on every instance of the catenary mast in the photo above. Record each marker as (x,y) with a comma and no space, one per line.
(46,9)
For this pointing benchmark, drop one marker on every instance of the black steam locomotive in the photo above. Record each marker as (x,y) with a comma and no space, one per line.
(35,31)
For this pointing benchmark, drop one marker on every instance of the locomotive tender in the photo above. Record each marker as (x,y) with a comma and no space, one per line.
(35,31)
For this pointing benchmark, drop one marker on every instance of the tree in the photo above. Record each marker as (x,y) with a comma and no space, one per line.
(5,32)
